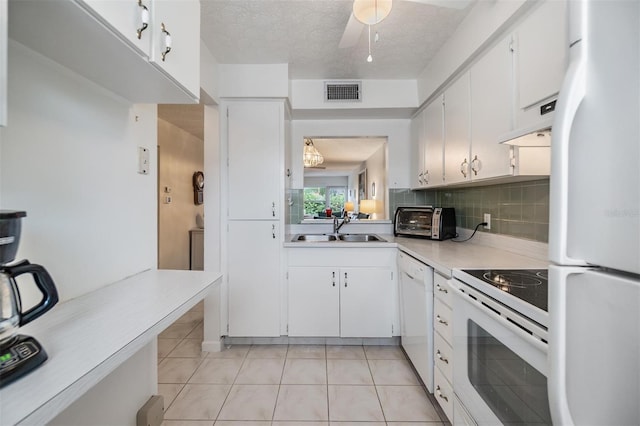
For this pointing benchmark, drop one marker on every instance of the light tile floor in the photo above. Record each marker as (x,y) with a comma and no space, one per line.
(280,385)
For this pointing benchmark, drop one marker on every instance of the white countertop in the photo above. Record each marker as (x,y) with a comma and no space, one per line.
(88,337)
(444,256)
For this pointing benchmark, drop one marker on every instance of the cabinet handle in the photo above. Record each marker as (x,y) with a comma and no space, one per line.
(444,290)
(463,168)
(333,278)
(167,41)
(273,231)
(407,274)
(345,279)
(420,181)
(441,321)
(426,177)
(288,172)
(441,358)
(273,209)
(144,19)
(475,165)
(440,394)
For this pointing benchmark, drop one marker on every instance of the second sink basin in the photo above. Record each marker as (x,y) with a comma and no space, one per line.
(360,238)
(314,237)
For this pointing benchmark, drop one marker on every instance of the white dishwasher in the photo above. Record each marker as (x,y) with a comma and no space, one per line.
(416,315)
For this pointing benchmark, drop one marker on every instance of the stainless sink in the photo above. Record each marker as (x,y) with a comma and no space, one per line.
(314,237)
(347,238)
(360,238)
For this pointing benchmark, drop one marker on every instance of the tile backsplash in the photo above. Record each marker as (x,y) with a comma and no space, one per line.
(517,209)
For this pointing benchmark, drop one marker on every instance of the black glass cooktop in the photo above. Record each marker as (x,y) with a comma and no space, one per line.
(530,285)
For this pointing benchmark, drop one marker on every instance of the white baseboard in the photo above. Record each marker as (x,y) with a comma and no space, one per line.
(212,346)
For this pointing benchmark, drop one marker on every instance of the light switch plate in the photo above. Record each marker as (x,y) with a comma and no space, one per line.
(143,160)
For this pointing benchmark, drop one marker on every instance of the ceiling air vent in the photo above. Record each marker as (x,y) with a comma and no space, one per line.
(336,91)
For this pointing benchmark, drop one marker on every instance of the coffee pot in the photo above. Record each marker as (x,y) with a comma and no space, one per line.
(19,354)
(11,315)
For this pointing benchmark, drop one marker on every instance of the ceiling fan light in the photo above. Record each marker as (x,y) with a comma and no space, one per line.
(371,12)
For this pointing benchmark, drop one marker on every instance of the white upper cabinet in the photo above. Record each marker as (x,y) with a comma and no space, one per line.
(416,148)
(541,49)
(98,39)
(433,143)
(256,151)
(457,167)
(3,62)
(176,41)
(131,19)
(492,112)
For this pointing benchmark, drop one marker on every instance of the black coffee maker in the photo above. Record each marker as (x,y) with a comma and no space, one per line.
(19,354)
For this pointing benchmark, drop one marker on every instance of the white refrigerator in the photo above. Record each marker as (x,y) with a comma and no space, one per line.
(594,237)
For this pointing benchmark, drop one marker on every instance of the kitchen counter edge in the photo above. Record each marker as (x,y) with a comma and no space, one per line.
(111,324)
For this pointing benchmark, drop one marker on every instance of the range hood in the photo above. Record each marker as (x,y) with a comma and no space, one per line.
(536,135)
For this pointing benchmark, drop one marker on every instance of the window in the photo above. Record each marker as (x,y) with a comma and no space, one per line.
(318,199)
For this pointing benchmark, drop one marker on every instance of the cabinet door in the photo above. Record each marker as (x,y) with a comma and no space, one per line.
(541,58)
(456,131)
(254,278)
(254,159)
(416,152)
(314,301)
(125,18)
(181,21)
(366,296)
(433,150)
(491,112)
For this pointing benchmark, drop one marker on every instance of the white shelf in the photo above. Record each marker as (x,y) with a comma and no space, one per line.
(88,337)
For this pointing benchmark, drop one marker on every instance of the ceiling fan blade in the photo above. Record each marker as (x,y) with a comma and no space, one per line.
(352,33)
(454,4)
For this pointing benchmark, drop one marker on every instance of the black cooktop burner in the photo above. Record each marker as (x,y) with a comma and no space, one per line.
(529,285)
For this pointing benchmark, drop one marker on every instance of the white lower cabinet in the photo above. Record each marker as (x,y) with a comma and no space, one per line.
(341,300)
(314,301)
(443,347)
(254,278)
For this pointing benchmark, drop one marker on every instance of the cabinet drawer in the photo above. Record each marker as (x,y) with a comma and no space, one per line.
(441,289)
(443,356)
(443,392)
(442,320)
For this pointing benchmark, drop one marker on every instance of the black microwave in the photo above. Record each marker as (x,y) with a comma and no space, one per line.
(434,223)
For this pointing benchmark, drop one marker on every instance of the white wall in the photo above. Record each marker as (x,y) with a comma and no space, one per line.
(326,181)
(69,159)
(398,143)
(309,94)
(254,81)
(376,172)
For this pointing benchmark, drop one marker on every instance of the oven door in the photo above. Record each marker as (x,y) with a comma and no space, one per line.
(500,370)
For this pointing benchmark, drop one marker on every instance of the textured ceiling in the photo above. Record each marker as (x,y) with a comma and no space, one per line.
(306,34)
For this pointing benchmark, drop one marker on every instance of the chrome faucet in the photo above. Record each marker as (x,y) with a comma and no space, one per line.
(336,225)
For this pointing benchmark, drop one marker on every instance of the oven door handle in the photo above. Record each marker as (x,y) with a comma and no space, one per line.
(477,303)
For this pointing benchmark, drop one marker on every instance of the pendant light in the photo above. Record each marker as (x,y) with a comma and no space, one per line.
(311,156)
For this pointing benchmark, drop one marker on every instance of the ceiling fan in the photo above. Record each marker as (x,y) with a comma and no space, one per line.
(355,26)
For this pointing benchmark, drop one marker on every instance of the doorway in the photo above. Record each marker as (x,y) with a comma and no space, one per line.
(180,210)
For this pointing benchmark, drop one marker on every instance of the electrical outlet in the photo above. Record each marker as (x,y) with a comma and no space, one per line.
(487,219)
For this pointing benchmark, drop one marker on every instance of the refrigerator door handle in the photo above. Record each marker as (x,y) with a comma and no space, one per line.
(571,96)
(557,353)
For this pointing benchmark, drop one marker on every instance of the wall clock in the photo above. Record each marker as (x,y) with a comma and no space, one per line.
(198,187)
